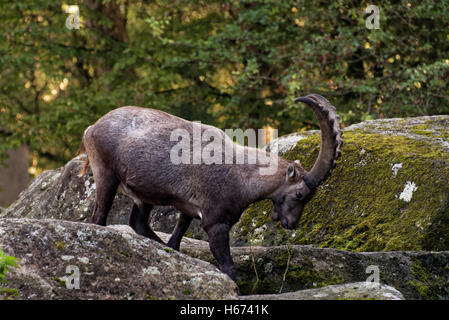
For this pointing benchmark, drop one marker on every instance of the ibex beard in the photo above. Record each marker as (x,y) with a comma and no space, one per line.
(140,150)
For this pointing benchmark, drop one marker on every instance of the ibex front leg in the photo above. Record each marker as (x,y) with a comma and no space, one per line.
(219,246)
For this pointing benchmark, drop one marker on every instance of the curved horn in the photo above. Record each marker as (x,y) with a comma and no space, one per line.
(331,140)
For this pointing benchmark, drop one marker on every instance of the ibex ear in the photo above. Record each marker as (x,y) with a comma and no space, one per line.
(291,172)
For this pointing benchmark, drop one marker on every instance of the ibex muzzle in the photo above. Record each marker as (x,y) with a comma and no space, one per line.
(130,147)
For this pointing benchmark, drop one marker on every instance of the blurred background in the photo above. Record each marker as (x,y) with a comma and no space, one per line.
(232,64)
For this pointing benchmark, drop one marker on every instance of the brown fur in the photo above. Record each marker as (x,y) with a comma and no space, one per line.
(130,147)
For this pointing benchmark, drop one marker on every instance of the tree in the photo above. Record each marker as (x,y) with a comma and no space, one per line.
(225,63)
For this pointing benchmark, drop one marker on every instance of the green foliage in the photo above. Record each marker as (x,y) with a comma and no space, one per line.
(226,63)
(6,263)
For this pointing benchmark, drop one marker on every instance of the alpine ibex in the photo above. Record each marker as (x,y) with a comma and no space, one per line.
(131,147)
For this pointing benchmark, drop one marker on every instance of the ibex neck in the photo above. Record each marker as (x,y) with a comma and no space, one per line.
(262,186)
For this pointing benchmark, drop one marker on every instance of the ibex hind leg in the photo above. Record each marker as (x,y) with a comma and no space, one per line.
(106,188)
(180,229)
(139,221)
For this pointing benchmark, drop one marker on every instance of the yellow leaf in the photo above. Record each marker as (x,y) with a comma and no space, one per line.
(299,22)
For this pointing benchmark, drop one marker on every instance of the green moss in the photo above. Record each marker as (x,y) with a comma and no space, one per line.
(358,208)
(245,287)
(305,276)
(169,250)
(437,127)
(309,278)
(59,282)
(423,132)
(8,293)
(189,235)
(60,245)
(125,254)
(263,286)
(423,282)
(423,129)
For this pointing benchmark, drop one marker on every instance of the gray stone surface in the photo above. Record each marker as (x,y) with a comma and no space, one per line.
(265,270)
(114,263)
(347,291)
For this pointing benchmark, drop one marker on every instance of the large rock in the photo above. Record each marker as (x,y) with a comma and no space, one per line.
(348,291)
(389,191)
(113,263)
(268,270)
(116,263)
(62,194)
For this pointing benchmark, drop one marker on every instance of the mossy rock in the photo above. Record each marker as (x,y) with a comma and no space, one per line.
(282,269)
(389,191)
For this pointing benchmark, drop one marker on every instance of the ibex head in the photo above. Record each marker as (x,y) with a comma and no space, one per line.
(299,186)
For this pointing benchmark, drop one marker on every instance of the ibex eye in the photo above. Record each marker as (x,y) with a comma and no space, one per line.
(298,196)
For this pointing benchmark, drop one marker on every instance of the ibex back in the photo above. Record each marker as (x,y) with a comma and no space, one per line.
(132,147)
